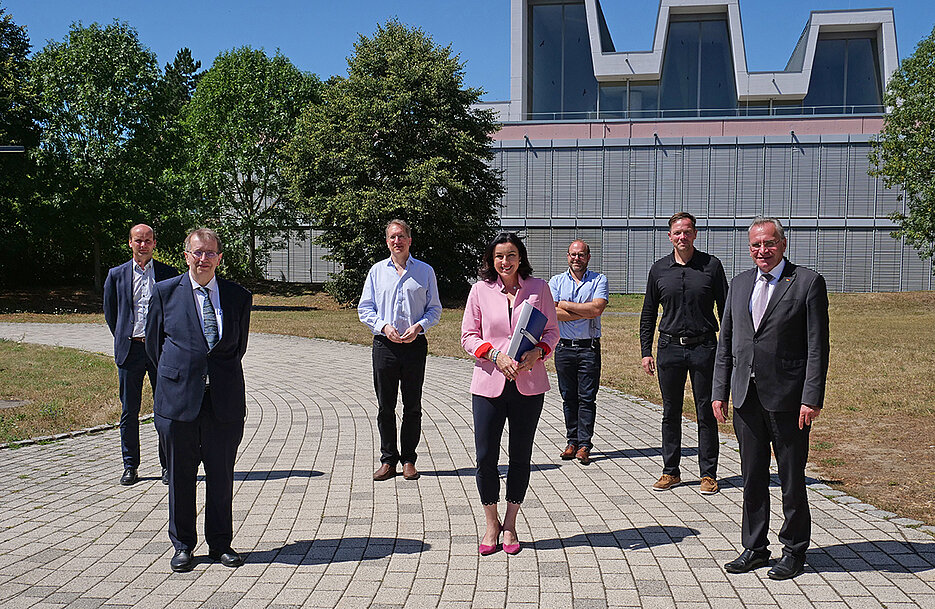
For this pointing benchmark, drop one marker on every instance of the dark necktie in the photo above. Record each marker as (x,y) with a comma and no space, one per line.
(211,319)
(760,299)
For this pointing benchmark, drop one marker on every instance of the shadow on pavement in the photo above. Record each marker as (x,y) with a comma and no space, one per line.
(346,549)
(636,453)
(274,474)
(625,539)
(470,471)
(889,556)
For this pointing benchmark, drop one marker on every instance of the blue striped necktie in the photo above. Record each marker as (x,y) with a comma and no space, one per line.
(211,319)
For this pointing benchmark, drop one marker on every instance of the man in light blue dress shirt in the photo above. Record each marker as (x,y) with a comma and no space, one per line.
(399,304)
(580,297)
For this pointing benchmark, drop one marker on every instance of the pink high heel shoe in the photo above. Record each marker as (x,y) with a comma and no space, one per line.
(511,548)
(485,550)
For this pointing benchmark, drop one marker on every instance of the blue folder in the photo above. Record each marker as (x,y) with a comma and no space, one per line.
(529,326)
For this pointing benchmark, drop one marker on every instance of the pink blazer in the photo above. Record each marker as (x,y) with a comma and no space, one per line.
(487,324)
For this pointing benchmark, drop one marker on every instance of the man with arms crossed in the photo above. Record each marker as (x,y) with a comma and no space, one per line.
(127,292)
(772,358)
(399,304)
(580,297)
(688,284)
(196,334)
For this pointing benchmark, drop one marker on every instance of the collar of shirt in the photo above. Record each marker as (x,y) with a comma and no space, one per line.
(145,268)
(392,265)
(211,285)
(519,283)
(215,302)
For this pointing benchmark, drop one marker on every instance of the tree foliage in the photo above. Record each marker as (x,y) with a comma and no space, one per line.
(98,104)
(904,152)
(17,127)
(243,112)
(398,138)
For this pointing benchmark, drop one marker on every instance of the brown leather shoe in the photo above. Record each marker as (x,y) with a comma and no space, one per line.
(385,472)
(569,453)
(583,455)
(665,482)
(708,485)
(410,472)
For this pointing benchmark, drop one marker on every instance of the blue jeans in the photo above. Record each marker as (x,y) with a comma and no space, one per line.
(579,376)
(674,362)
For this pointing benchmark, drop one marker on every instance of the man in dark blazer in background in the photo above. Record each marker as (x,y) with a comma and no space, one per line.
(127,292)
(196,334)
(772,358)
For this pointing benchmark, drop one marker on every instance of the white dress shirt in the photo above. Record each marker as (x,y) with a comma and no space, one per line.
(144,278)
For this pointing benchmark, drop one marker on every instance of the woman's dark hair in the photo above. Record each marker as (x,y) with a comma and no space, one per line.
(487,271)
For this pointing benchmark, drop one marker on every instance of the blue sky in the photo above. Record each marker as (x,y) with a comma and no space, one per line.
(319,35)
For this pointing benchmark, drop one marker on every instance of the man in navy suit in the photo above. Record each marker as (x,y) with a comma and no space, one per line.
(196,334)
(127,292)
(772,358)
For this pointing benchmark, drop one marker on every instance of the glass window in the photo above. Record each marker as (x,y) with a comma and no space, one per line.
(562,85)
(863,77)
(826,87)
(679,85)
(644,101)
(613,101)
(698,70)
(717,91)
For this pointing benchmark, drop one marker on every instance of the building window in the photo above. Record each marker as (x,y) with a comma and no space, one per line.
(562,83)
(845,77)
(697,69)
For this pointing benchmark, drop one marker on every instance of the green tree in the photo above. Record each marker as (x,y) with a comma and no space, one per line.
(17,127)
(398,138)
(97,98)
(903,153)
(241,115)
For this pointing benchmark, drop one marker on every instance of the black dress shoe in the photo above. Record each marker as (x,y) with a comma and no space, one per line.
(129,476)
(786,568)
(182,561)
(165,476)
(748,561)
(227,557)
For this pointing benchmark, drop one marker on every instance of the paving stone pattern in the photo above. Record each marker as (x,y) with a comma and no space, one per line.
(318,532)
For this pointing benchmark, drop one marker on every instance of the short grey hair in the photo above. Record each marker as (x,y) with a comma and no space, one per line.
(759,220)
(401,224)
(203,234)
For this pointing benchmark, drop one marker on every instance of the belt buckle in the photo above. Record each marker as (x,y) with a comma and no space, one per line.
(683,340)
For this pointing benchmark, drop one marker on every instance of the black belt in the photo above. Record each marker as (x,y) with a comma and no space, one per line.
(579,342)
(138,339)
(688,340)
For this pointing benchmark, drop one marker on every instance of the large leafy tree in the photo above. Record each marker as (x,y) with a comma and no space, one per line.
(17,128)
(97,94)
(398,138)
(243,112)
(904,152)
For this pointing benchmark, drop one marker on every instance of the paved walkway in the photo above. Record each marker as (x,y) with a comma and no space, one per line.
(318,532)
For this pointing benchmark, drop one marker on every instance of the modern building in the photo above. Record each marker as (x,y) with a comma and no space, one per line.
(604,144)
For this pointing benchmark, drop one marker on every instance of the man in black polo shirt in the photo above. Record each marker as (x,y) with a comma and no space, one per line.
(688,284)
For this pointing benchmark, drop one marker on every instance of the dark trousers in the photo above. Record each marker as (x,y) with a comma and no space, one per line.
(213,442)
(675,362)
(131,374)
(490,414)
(756,429)
(579,376)
(399,367)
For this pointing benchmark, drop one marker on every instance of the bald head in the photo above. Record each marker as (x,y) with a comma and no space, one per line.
(142,242)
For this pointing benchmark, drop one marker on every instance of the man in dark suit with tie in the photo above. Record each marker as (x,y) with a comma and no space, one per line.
(196,334)
(127,292)
(772,357)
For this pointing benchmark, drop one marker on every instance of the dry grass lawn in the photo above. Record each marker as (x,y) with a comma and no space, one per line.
(874,440)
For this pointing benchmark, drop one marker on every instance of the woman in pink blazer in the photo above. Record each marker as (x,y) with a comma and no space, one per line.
(504,389)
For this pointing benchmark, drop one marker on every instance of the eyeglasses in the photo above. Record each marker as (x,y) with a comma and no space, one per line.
(578,255)
(771,244)
(200,254)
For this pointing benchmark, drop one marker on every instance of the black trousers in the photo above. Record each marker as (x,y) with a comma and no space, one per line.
(674,363)
(399,367)
(490,414)
(131,373)
(213,442)
(756,429)
(579,376)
